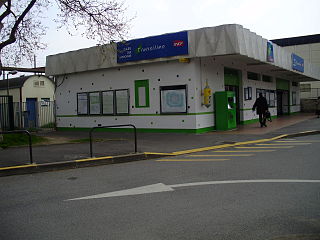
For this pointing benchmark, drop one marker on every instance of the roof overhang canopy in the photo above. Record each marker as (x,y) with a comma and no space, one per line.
(231,41)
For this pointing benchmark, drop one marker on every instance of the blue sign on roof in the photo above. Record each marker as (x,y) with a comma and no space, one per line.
(166,45)
(297,63)
(270,56)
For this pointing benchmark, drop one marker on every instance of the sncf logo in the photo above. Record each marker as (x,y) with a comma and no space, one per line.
(178,43)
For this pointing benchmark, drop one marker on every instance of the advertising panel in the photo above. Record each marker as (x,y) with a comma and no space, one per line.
(166,45)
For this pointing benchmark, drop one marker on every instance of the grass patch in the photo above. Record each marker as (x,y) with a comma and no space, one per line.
(85,140)
(19,139)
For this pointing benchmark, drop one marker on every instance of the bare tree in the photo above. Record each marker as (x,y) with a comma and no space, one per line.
(21,24)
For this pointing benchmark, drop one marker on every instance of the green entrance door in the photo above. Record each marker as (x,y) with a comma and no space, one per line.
(232,84)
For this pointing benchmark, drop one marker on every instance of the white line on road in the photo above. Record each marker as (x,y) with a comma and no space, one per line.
(160,187)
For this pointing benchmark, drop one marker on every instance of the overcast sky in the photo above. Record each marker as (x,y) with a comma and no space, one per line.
(271,19)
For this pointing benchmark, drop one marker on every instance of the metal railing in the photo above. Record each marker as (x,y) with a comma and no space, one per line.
(29,138)
(27,115)
(112,126)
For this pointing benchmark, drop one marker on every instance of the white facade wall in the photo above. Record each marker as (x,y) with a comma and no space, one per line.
(159,74)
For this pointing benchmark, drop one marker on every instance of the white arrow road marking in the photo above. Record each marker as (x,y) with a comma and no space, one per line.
(160,187)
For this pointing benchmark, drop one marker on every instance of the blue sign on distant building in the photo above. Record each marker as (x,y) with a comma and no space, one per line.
(270,57)
(297,63)
(166,45)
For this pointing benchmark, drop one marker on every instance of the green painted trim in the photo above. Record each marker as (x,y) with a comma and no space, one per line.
(282,84)
(231,77)
(137,115)
(145,85)
(151,130)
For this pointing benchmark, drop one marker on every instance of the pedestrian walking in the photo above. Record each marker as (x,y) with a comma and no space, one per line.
(262,107)
(318,107)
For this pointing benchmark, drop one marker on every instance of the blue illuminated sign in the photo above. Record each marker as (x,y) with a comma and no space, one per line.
(167,45)
(270,57)
(297,63)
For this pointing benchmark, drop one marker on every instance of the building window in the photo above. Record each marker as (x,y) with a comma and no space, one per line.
(41,83)
(253,76)
(94,103)
(122,102)
(306,87)
(248,93)
(108,102)
(142,93)
(82,103)
(266,78)
(294,98)
(173,99)
(113,102)
(270,95)
(36,84)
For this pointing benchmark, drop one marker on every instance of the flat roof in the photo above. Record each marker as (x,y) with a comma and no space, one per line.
(309,39)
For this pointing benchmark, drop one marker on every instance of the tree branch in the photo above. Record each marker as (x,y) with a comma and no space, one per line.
(12,37)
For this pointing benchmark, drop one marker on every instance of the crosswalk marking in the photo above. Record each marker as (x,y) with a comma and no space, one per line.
(222,155)
(281,144)
(243,151)
(263,147)
(295,141)
(191,160)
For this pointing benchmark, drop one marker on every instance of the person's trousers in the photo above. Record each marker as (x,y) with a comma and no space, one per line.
(262,119)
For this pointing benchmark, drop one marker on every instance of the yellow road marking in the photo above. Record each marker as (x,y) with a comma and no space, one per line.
(191,160)
(20,166)
(311,141)
(92,159)
(229,145)
(264,147)
(223,155)
(281,144)
(243,151)
(154,153)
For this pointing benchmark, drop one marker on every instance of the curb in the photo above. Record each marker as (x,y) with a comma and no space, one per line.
(91,162)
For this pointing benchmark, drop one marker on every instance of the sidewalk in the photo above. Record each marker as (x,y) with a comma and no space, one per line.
(123,143)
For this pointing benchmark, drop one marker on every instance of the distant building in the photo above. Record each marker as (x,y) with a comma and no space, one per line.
(307,47)
(29,95)
(168,83)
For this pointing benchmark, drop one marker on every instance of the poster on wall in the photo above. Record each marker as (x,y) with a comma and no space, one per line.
(82,101)
(122,101)
(173,99)
(107,102)
(94,103)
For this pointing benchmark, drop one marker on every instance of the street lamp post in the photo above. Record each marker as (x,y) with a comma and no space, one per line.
(12,73)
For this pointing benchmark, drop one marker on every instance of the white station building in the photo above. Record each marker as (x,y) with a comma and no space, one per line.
(167,83)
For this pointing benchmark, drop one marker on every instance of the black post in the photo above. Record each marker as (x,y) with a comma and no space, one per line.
(125,125)
(90,137)
(29,138)
(30,146)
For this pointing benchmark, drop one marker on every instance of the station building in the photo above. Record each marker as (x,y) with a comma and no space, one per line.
(191,81)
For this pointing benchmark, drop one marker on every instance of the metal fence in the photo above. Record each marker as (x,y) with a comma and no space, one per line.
(30,115)
(310,93)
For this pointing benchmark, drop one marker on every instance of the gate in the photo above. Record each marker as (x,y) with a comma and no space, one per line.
(6,113)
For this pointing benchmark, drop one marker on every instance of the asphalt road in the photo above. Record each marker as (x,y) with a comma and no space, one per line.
(196,196)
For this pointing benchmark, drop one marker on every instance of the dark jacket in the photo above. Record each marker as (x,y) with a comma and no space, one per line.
(261,105)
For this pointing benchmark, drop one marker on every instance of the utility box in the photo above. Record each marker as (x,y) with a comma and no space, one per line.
(225,110)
